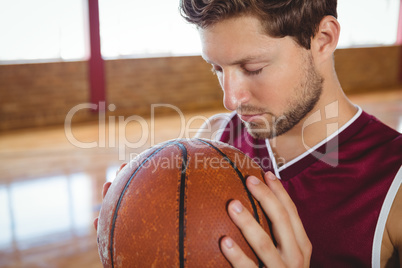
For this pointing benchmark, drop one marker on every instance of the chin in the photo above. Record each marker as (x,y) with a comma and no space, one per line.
(264,132)
(260,133)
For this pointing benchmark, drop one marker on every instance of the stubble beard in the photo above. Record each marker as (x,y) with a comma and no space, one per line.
(303,102)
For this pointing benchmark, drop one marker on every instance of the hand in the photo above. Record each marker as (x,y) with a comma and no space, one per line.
(293,246)
(106,186)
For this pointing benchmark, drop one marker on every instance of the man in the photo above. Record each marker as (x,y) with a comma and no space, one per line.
(333,172)
(274,61)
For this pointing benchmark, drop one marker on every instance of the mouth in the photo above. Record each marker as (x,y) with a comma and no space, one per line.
(250,117)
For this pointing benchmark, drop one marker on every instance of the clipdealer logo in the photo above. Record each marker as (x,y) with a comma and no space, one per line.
(112,132)
(330,153)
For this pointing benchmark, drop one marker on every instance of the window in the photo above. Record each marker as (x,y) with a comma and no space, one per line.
(145,28)
(368,22)
(42,30)
(55,30)
(136,28)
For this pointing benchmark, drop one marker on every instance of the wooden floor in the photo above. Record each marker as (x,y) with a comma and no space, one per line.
(51,180)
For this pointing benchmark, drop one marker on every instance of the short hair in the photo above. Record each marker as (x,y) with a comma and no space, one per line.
(299,19)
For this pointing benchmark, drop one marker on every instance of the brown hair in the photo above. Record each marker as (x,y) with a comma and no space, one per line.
(299,19)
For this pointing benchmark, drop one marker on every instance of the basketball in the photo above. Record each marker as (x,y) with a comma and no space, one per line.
(168,206)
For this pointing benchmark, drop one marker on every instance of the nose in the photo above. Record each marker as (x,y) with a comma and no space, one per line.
(235,89)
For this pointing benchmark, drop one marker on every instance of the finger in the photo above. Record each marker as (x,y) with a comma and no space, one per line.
(106,186)
(121,167)
(258,239)
(234,254)
(279,191)
(96,224)
(277,188)
(282,227)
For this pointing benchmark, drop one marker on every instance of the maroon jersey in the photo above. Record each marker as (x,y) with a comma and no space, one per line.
(340,187)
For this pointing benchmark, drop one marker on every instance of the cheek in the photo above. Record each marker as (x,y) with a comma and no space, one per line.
(275,90)
(286,77)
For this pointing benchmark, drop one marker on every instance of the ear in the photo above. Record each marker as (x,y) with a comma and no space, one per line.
(326,39)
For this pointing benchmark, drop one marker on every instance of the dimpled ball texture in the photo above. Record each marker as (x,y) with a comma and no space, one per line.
(168,206)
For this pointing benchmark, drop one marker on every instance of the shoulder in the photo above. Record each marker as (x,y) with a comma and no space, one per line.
(213,127)
(370,137)
(381,131)
(386,139)
(392,239)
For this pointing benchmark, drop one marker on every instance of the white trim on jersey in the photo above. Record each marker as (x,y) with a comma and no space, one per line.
(215,133)
(223,125)
(273,159)
(291,162)
(382,219)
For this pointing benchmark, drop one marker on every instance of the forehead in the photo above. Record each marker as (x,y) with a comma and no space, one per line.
(234,38)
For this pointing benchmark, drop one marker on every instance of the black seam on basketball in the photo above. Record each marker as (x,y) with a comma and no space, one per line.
(250,197)
(243,180)
(121,197)
(182,204)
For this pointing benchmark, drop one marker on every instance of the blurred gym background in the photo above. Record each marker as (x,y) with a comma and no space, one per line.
(85,85)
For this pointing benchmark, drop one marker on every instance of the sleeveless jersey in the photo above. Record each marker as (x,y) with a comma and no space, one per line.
(340,187)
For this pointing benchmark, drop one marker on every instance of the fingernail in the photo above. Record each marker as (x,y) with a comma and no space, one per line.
(121,167)
(228,242)
(271,176)
(254,180)
(237,206)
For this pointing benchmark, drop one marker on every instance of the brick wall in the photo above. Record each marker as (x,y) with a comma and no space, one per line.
(40,94)
(35,95)
(185,82)
(367,69)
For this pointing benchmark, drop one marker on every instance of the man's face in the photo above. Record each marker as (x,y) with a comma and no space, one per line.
(270,82)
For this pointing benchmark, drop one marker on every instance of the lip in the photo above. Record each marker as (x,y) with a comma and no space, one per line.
(249,117)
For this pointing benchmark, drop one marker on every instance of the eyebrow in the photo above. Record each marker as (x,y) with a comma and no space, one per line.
(240,61)
(245,60)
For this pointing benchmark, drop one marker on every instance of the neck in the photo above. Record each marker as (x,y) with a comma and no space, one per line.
(332,111)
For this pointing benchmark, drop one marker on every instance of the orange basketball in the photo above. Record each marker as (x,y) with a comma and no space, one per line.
(168,206)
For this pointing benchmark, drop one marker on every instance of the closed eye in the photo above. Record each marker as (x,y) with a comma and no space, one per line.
(256,72)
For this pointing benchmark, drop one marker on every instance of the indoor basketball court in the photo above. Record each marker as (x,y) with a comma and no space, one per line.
(67,123)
